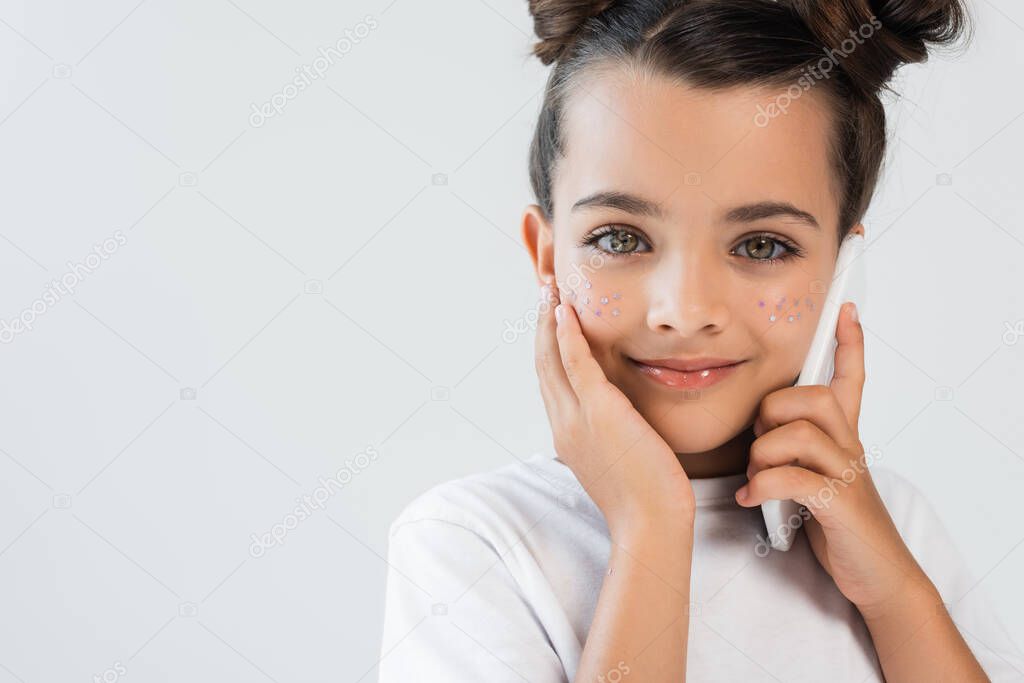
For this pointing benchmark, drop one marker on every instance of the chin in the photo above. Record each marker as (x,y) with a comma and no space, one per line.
(691,426)
(684,441)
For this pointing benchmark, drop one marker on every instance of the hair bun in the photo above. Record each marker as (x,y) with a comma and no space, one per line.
(557,22)
(883,34)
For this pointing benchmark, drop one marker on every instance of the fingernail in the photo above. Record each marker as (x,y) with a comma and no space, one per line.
(560,313)
(545,292)
(742,493)
(853,312)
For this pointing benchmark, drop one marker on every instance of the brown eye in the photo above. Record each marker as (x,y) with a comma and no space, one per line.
(618,241)
(622,241)
(762,249)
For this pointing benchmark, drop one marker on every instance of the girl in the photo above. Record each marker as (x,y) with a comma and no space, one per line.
(696,165)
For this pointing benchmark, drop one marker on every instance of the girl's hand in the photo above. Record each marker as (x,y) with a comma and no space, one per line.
(621,461)
(808,450)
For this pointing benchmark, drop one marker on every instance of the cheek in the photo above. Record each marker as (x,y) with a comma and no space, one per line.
(597,299)
(786,323)
(775,307)
(603,303)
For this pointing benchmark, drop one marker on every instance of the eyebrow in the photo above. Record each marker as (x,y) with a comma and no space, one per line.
(747,213)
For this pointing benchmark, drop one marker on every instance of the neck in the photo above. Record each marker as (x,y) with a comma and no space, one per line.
(729,458)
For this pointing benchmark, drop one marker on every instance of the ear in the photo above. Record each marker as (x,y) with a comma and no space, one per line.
(859,229)
(539,241)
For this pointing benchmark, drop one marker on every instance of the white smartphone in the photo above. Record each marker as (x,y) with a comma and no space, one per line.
(781,517)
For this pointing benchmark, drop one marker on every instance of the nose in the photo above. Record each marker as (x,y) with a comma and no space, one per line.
(687,296)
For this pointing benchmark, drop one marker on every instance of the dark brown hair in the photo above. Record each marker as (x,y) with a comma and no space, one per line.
(717,44)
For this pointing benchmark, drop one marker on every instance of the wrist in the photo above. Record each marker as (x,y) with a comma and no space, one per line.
(643,522)
(654,546)
(915,598)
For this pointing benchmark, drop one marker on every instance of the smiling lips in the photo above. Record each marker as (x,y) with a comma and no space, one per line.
(695,373)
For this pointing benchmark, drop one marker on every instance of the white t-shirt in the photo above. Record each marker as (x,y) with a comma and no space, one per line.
(495,577)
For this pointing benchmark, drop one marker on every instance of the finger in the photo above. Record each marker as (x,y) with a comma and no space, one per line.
(786,483)
(555,389)
(583,371)
(815,403)
(799,443)
(848,379)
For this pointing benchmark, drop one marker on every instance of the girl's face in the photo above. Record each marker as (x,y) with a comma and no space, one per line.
(687,228)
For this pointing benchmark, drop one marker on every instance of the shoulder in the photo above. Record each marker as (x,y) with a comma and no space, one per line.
(459,552)
(921,527)
(941,558)
(901,497)
(912,511)
(924,532)
(494,503)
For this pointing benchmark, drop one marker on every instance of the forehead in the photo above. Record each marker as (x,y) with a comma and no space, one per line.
(651,136)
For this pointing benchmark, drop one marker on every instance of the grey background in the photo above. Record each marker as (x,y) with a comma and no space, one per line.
(323,290)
